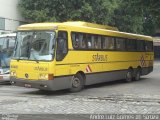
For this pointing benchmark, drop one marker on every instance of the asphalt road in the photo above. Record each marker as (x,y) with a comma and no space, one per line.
(138,97)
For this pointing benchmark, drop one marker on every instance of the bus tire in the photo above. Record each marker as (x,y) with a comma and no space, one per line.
(137,74)
(77,83)
(129,75)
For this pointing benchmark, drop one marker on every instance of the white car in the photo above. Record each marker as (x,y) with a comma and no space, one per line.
(4,74)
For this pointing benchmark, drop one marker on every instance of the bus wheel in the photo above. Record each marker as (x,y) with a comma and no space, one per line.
(137,75)
(129,75)
(77,83)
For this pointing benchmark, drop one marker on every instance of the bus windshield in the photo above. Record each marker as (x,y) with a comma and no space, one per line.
(35,45)
(6,50)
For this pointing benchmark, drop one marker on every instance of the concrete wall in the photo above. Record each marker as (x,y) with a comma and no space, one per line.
(11,14)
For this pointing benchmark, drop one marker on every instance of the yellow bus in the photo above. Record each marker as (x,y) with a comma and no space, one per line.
(70,55)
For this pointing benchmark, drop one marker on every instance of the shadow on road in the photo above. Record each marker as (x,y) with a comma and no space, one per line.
(66,92)
(48,93)
(5,83)
(113,83)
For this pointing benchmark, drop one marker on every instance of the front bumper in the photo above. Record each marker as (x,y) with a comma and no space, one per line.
(51,85)
(4,77)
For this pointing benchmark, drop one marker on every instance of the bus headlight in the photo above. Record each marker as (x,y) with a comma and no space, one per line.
(13,73)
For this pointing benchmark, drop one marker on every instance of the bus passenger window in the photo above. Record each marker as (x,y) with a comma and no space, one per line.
(95,44)
(76,44)
(111,46)
(99,42)
(120,44)
(83,44)
(82,40)
(140,45)
(131,44)
(75,40)
(105,42)
(149,46)
(110,43)
(89,44)
(89,41)
(93,40)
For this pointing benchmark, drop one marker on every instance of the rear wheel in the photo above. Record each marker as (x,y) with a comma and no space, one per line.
(77,83)
(137,75)
(129,75)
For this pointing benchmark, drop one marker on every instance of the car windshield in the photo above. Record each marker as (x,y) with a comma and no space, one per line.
(6,50)
(35,45)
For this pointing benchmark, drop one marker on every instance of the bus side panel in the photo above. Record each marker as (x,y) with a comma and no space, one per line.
(147,70)
(105,77)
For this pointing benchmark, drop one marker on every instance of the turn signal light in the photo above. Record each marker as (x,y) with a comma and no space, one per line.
(46,76)
(50,76)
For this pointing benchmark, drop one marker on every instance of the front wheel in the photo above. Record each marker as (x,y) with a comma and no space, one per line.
(77,83)
(129,75)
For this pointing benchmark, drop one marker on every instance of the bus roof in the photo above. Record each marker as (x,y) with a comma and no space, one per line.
(92,25)
(75,23)
(8,35)
(80,24)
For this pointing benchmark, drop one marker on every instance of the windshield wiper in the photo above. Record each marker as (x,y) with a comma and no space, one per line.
(21,58)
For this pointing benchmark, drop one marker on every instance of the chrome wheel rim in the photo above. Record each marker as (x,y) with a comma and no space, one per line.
(76,82)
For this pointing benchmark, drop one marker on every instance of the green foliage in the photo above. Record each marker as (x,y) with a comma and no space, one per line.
(99,11)
(136,16)
(129,17)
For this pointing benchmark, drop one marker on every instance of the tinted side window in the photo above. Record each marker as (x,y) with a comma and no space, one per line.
(83,41)
(75,40)
(96,41)
(79,40)
(140,45)
(120,44)
(131,44)
(89,41)
(149,46)
(108,42)
(86,41)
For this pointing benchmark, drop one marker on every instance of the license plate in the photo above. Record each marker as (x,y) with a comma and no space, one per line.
(27,85)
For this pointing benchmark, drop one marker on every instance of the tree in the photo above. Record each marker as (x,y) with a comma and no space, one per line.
(151,14)
(99,11)
(136,16)
(139,16)
(128,18)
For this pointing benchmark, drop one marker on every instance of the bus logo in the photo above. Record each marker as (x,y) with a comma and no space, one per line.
(143,63)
